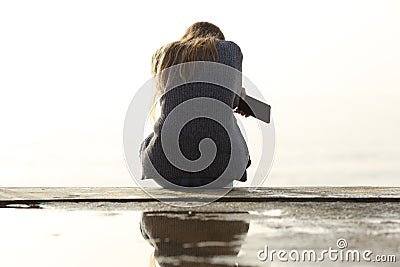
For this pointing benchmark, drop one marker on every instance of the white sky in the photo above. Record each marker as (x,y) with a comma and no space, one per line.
(68,70)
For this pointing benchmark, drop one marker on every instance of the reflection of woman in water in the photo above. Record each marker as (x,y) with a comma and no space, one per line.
(180,239)
(202,41)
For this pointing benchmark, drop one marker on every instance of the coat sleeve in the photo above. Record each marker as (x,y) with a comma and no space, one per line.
(229,53)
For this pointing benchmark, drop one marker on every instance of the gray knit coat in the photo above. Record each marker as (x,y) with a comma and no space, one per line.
(190,136)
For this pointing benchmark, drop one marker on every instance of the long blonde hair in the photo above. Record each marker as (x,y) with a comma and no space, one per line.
(198,43)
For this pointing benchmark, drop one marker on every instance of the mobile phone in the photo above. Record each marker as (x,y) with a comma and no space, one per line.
(255,108)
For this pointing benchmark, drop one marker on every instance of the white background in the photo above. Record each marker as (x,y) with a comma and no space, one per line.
(330,70)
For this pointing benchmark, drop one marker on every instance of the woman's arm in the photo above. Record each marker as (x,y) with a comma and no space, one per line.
(230,54)
(237,101)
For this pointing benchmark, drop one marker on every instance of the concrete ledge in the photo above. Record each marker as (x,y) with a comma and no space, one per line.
(41,220)
(264,194)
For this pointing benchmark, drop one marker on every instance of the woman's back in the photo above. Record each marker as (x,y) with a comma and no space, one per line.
(224,133)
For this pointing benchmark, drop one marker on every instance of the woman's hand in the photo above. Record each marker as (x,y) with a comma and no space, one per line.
(242,96)
(241,112)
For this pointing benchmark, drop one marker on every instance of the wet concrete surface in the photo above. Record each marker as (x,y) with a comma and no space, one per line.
(224,233)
